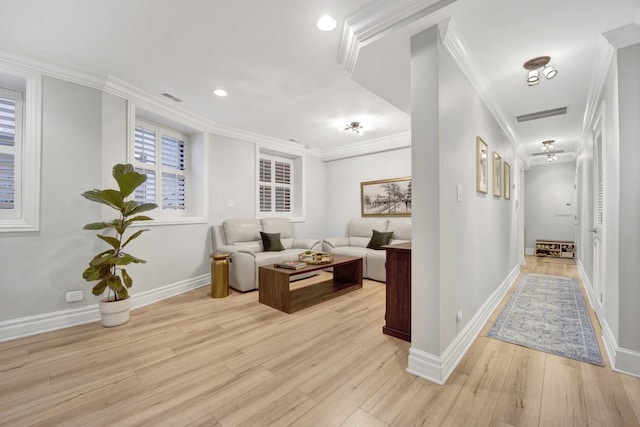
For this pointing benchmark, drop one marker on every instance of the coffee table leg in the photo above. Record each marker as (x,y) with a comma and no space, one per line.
(273,289)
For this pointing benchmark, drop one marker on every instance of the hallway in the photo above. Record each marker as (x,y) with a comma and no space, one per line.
(544,389)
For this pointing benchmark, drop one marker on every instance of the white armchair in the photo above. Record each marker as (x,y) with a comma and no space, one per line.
(242,240)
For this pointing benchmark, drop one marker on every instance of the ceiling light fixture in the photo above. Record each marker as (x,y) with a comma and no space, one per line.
(220,92)
(533,65)
(551,157)
(326,23)
(355,127)
(547,145)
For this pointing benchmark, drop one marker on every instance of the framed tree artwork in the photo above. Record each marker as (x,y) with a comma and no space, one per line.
(497,176)
(386,197)
(507,181)
(482,166)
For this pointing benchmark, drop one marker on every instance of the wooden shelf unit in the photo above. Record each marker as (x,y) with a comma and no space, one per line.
(555,248)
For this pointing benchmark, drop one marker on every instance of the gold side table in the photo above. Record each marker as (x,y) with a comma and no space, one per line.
(219,275)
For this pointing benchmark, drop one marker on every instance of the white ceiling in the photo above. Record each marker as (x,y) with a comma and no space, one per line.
(282,73)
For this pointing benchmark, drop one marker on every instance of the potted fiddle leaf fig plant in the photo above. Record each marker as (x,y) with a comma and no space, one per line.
(107,267)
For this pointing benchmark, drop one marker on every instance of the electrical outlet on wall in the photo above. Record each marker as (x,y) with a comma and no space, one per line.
(459,316)
(74,296)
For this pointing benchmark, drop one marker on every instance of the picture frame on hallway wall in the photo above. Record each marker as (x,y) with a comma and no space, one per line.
(507,181)
(386,197)
(482,166)
(497,176)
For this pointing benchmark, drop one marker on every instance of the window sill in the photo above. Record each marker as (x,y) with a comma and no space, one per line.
(17,226)
(170,221)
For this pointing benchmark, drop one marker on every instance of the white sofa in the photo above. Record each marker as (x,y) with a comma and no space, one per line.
(242,240)
(359,232)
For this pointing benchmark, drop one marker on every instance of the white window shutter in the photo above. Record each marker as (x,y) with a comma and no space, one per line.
(7,153)
(7,181)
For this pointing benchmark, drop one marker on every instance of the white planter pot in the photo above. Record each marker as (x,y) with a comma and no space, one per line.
(115,313)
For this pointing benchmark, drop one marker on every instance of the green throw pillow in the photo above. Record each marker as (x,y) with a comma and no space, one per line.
(271,242)
(379,239)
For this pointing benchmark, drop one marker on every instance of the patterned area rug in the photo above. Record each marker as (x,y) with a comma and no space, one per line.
(548,313)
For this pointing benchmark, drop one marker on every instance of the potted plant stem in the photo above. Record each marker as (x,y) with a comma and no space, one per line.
(107,267)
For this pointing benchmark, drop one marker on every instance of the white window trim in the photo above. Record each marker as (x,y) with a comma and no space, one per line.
(298,184)
(30,154)
(189,218)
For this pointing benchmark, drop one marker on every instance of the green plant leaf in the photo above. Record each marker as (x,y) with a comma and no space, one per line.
(134,235)
(99,288)
(128,207)
(143,207)
(98,226)
(108,197)
(128,179)
(115,243)
(115,284)
(141,218)
(103,258)
(125,259)
(128,281)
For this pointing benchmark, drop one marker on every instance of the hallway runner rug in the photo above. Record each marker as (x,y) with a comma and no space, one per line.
(548,313)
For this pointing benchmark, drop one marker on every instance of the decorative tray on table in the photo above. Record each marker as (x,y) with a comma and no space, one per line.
(315,257)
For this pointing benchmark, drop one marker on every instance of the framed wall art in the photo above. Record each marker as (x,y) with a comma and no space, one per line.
(497,177)
(507,181)
(482,166)
(386,197)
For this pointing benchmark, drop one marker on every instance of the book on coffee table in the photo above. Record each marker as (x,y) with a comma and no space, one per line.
(291,265)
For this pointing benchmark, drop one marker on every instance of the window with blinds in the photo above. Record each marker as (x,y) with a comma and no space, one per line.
(275,187)
(9,149)
(160,153)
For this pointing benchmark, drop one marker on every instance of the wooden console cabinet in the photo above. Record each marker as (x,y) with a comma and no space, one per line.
(398,298)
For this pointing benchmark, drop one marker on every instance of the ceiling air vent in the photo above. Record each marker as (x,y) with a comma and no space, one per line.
(547,153)
(171,97)
(541,114)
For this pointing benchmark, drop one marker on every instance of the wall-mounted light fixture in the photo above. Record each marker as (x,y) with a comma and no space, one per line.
(533,65)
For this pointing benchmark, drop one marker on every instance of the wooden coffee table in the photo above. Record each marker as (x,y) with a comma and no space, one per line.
(274,290)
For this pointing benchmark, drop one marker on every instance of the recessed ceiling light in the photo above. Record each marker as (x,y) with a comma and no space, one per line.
(326,23)
(220,92)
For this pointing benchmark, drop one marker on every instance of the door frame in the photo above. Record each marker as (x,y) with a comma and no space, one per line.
(598,231)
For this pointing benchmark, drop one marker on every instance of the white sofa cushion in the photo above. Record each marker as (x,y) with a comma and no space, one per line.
(361,229)
(242,230)
(279,225)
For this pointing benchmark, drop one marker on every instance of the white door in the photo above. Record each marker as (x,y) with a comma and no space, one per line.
(598,219)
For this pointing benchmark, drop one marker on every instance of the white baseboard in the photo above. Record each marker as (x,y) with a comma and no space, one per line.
(529,251)
(31,325)
(438,368)
(622,360)
(586,282)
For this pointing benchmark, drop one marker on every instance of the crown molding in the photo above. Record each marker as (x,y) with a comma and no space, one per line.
(624,36)
(458,48)
(377,19)
(51,68)
(370,146)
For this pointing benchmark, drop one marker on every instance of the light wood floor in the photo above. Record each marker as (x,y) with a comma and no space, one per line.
(192,360)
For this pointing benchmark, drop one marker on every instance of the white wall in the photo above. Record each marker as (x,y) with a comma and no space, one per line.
(343,178)
(479,235)
(38,267)
(549,190)
(629,197)
(474,242)
(233,175)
